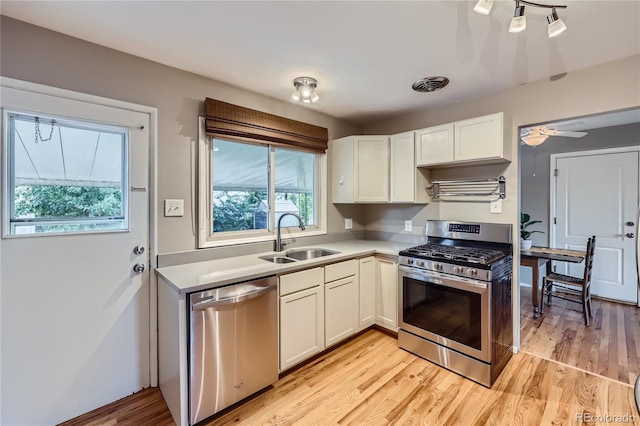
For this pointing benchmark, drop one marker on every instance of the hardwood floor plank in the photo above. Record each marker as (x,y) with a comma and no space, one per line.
(146,407)
(370,381)
(609,347)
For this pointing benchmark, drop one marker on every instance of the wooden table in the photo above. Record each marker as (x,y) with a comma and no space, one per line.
(541,256)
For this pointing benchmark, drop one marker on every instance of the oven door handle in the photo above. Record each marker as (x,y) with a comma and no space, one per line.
(438,279)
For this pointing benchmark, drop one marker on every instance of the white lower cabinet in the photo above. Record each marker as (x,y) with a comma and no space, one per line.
(387,293)
(322,306)
(341,301)
(366,292)
(301,316)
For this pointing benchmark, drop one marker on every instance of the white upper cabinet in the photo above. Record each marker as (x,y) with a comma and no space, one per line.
(377,169)
(478,139)
(371,168)
(434,145)
(360,169)
(407,183)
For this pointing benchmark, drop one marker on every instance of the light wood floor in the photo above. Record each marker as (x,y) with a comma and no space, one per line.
(370,381)
(610,347)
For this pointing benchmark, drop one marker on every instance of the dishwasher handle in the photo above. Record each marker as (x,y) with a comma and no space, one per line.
(212,302)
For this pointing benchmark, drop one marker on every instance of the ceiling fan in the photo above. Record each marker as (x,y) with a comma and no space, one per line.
(534,136)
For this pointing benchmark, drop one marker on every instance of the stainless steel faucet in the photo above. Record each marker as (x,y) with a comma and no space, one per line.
(278,238)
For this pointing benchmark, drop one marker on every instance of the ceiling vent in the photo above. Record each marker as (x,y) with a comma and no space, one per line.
(430,84)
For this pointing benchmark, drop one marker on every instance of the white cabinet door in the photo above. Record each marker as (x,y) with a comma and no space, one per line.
(387,293)
(434,145)
(341,151)
(366,292)
(402,168)
(371,169)
(341,309)
(479,138)
(301,326)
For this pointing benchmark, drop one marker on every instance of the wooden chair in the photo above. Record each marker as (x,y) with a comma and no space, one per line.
(574,289)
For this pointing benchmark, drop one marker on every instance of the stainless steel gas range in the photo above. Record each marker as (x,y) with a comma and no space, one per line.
(455,298)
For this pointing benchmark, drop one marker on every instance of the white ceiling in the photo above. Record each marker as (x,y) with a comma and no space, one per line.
(365,54)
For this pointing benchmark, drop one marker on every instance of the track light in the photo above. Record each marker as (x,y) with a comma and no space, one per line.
(556,25)
(519,20)
(483,7)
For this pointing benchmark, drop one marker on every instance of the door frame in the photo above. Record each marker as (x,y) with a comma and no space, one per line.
(552,194)
(152,192)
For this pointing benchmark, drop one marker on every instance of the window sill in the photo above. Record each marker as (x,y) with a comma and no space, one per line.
(260,239)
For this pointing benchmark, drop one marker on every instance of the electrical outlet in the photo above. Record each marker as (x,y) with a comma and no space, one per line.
(174,207)
(496,206)
(348,223)
(408,225)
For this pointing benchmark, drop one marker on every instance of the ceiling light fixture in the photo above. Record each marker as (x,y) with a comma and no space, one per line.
(483,7)
(534,139)
(519,21)
(305,90)
(556,25)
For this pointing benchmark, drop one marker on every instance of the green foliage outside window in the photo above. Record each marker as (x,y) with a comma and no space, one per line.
(236,211)
(43,201)
(50,201)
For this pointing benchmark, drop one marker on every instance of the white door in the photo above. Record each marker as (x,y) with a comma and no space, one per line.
(75,315)
(597,194)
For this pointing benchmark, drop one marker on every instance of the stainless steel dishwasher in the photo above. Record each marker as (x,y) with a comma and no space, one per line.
(233,346)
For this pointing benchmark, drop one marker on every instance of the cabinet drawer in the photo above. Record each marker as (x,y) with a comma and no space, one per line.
(340,270)
(297,281)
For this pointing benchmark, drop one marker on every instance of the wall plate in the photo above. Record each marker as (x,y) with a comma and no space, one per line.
(173,208)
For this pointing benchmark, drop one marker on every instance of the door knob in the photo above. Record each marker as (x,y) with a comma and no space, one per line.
(138,250)
(629,223)
(138,268)
(629,235)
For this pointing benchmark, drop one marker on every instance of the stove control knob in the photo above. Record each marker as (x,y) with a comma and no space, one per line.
(438,267)
(421,263)
(472,272)
(409,261)
(458,269)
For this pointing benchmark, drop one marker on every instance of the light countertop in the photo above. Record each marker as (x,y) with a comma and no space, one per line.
(198,276)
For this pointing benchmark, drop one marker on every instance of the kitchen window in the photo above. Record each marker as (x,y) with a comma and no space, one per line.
(246,186)
(64,176)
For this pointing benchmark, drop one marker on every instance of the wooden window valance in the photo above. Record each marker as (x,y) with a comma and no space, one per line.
(233,122)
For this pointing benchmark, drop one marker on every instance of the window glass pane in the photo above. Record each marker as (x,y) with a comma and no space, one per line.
(295,186)
(240,186)
(66,176)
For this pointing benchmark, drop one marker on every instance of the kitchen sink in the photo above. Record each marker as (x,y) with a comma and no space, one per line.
(305,254)
(277,258)
(298,255)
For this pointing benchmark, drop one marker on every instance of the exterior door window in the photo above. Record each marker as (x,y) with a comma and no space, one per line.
(65,176)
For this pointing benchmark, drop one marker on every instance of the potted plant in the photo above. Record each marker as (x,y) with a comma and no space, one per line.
(525,222)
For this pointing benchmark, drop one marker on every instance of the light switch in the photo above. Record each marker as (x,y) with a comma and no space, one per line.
(348,223)
(174,207)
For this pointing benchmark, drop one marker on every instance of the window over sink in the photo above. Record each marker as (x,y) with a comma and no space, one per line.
(245,187)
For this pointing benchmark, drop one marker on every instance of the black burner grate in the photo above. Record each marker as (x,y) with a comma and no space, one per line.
(455,253)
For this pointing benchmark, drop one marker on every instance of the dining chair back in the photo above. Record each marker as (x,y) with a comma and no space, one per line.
(574,289)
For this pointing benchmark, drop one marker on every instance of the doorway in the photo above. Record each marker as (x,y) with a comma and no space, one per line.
(596,193)
(75,252)
(561,335)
